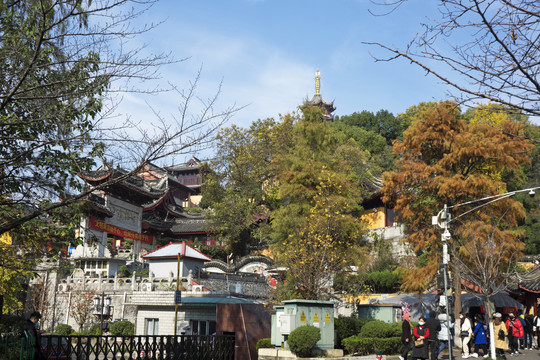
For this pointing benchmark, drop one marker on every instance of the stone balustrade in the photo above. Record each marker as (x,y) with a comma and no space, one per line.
(134,283)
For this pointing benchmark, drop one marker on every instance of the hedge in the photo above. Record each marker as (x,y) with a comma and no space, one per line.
(348,326)
(63,329)
(264,343)
(376,329)
(120,328)
(365,346)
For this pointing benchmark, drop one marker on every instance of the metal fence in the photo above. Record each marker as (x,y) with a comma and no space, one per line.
(14,347)
(188,347)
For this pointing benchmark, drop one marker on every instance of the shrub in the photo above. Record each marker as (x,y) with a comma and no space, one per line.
(303,339)
(94,329)
(123,272)
(395,329)
(365,346)
(376,329)
(122,328)
(63,329)
(348,326)
(11,324)
(264,343)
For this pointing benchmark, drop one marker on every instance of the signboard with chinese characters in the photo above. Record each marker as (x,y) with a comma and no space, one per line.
(110,229)
(125,215)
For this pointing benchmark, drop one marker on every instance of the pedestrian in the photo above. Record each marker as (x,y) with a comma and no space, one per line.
(515,331)
(521,319)
(434,326)
(29,329)
(529,331)
(406,336)
(445,334)
(465,333)
(500,332)
(421,336)
(536,328)
(480,338)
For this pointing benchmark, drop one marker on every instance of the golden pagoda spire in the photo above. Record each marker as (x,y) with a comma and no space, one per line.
(317,82)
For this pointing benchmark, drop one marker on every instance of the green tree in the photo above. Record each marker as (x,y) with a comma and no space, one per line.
(383,123)
(316,230)
(239,186)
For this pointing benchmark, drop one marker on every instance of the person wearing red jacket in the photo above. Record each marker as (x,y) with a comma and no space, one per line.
(515,331)
(421,332)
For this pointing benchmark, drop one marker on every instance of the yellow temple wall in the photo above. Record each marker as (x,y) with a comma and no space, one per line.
(373,219)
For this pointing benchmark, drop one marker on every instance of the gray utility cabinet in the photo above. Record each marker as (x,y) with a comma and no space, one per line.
(296,313)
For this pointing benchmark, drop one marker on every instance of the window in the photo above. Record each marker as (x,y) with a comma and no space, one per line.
(203,327)
(152,327)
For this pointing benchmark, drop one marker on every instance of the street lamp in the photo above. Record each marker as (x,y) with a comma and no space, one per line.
(444,215)
(101,305)
(443,219)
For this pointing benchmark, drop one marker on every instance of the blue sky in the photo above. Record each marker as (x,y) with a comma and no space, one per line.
(266,53)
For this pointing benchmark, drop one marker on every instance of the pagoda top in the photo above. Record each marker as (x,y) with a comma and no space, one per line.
(317,100)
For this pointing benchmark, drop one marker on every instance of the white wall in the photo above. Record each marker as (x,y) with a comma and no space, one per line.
(163,268)
(166,319)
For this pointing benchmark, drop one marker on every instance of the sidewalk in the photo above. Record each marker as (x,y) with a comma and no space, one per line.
(525,355)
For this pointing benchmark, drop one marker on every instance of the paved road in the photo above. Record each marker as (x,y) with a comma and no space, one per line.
(525,355)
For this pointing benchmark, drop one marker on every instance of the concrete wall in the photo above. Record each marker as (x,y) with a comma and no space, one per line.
(394,235)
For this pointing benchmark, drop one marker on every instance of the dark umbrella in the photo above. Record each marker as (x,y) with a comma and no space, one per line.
(419,306)
(500,300)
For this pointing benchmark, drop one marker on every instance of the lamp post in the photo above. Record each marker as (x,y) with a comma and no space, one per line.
(444,215)
(101,303)
(443,219)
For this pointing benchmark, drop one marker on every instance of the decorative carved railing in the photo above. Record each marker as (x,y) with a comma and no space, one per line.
(166,347)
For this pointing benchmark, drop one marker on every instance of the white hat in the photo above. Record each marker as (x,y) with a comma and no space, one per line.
(497,314)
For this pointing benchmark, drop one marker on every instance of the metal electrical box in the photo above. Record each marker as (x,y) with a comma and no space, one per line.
(295,313)
(287,324)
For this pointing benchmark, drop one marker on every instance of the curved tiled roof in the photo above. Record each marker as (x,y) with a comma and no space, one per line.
(187,226)
(318,100)
(529,281)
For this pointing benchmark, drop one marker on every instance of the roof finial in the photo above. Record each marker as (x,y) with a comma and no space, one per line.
(317,82)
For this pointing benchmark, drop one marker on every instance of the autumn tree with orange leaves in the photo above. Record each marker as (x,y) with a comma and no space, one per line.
(445,159)
(81,308)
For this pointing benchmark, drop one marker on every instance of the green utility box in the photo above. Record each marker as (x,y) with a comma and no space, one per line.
(383,312)
(296,313)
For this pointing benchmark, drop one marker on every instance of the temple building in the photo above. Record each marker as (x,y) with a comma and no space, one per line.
(189,175)
(136,210)
(317,100)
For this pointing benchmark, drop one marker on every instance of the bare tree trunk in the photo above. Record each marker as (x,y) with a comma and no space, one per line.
(490,309)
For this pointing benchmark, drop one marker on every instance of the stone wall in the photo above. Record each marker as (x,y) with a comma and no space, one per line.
(129,295)
(244,284)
